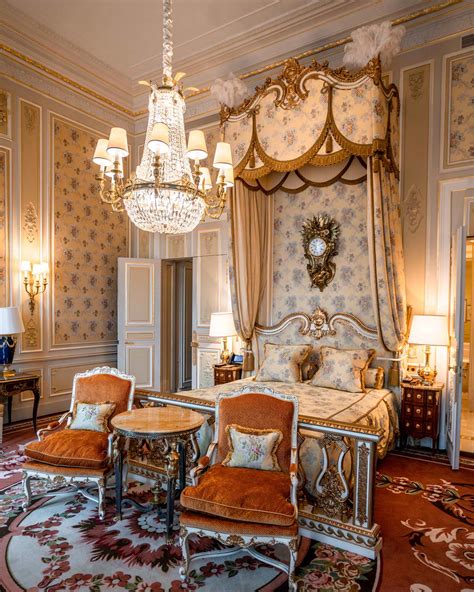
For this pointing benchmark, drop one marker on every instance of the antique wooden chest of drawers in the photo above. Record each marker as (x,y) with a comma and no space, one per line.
(420,412)
(227,373)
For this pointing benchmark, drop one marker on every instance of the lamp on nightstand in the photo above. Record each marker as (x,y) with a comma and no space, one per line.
(222,325)
(11,325)
(428,330)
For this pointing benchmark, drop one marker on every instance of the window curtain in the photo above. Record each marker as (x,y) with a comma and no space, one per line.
(386,253)
(251,223)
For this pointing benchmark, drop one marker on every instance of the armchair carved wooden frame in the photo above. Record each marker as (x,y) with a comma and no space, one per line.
(81,479)
(239,534)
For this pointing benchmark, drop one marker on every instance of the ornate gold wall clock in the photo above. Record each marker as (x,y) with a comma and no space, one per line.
(320,242)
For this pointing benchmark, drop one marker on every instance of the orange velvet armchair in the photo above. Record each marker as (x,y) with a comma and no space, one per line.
(244,507)
(78,457)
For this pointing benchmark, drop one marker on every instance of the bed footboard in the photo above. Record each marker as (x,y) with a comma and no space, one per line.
(340,510)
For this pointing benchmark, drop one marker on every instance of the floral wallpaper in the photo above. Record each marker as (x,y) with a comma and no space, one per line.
(88,238)
(4,170)
(461,110)
(350,290)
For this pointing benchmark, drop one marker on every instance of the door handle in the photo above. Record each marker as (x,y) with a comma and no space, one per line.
(129,343)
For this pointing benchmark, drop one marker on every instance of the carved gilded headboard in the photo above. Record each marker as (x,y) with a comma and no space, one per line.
(341,330)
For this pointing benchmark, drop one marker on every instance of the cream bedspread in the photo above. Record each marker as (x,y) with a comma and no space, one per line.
(377,408)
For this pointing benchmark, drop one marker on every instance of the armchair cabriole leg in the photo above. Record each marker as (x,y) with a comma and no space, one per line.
(102,485)
(27,491)
(293,549)
(183,541)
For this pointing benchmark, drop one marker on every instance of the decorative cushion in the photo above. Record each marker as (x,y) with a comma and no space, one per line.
(92,416)
(71,448)
(282,363)
(246,495)
(253,449)
(343,369)
(308,370)
(222,525)
(374,377)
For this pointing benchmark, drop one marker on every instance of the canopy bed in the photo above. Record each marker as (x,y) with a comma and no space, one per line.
(328,138)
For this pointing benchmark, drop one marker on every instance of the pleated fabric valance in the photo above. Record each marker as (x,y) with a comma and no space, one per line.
(312,115)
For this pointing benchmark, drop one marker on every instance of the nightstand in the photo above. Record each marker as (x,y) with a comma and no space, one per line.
(224,373)
(420,412)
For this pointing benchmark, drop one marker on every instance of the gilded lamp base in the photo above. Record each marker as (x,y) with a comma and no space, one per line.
(427,373)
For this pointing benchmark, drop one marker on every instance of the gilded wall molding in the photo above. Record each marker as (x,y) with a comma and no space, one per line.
(5,197)
(5,114)
(30,222)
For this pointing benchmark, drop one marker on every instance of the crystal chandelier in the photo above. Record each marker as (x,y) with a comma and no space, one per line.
(164,195)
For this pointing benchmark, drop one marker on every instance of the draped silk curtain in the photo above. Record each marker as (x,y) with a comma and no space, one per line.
(250,262)
(386,253)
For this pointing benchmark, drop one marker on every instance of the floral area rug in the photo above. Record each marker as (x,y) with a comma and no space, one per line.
(60,544)
(427,515)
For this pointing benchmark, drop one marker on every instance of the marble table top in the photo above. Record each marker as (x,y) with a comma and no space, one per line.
(157,421)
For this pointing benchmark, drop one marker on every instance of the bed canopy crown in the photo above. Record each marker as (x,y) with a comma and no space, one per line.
(313,115)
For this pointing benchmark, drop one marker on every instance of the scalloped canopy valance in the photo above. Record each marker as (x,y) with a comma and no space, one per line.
(312,115)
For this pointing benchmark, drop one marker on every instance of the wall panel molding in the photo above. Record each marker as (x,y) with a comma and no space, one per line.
(5,204)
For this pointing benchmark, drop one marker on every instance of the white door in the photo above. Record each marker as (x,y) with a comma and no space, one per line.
(139,302)
(453,419)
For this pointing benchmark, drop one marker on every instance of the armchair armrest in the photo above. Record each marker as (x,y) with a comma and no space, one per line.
(53,426)
(199,469)
(294,484)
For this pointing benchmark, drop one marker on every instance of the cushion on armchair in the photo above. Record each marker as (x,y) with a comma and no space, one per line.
(71,448)
(248,495)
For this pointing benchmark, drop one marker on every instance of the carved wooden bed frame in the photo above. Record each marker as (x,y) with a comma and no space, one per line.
(341,513)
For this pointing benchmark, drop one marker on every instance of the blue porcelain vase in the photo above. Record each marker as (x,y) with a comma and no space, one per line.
(7,351)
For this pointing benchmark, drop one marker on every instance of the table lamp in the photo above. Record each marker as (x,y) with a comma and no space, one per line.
(11,325)
(222,325)
(428,330)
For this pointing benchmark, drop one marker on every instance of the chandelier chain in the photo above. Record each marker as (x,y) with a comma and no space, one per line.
(167,39)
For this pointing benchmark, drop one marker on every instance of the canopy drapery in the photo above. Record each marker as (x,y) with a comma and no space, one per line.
(343,124)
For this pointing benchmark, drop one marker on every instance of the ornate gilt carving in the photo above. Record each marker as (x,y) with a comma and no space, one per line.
(361,513)
(30,222)
(320,243)
(318,325)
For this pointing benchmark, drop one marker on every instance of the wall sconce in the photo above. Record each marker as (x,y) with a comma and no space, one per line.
(35,280)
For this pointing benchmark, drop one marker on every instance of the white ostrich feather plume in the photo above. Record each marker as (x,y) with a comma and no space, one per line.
(230,92)
(372,40)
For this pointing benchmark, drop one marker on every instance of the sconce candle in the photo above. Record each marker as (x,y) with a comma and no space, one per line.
(11,325)
(35,280)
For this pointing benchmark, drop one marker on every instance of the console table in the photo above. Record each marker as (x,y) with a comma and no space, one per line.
(14,385)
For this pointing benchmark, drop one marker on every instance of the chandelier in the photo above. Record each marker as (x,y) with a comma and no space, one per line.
(164,195)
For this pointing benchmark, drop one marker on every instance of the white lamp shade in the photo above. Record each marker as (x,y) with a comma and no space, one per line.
(118,144)
(197,149)
(159,141)
(11,322)
(26,266)
(109,168)
(206,182)
(429,330)
(101,156)
(228,176)
(223,157)
(222,325)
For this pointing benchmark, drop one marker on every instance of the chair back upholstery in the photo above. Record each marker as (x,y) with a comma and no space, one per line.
(260,411)
(104,385)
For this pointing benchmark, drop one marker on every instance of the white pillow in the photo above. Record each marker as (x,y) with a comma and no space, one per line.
(92,416)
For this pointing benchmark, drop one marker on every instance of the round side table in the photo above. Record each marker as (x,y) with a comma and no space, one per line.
(174,425)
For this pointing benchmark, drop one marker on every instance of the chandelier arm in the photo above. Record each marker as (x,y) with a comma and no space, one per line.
(167,41)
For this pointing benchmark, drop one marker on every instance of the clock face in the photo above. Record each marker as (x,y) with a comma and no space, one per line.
(317,246)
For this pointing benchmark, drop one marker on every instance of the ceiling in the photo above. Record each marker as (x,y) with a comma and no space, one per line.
(109,45)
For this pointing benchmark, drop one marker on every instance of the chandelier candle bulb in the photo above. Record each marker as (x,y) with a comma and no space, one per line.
(118,144)
(197,149)
(110,169)
(101,156)
(206,182)
(159,141)
(223,157)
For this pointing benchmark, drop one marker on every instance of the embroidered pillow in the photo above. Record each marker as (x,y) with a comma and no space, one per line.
(252,448)
(92,416)
(374,377)
(282,363)
(343,369)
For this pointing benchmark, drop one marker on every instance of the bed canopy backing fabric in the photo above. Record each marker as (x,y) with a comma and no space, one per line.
(313,126)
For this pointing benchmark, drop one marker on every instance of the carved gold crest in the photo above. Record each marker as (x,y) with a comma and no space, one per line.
(320,243)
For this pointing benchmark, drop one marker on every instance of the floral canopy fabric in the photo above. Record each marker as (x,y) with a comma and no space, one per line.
(313,126)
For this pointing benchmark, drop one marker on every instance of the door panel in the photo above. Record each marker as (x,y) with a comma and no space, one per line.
(139,298)
(453,418)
